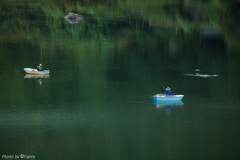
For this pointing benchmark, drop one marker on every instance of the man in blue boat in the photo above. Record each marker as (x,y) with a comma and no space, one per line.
(39,67)
(168,92)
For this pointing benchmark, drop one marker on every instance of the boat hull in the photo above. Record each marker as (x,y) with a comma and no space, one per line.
(165,98)
(36,72)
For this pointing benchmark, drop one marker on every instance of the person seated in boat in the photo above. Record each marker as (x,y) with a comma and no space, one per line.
(168,92)
(39,67)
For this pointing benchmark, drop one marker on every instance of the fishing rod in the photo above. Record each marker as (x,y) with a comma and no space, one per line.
(41,55)
(162,85)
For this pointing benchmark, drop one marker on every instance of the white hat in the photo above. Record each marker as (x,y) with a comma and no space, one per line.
(168,88)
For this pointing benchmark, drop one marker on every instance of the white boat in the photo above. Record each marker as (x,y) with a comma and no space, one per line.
(73,17)
(167,98)
(202,75)
(35,71)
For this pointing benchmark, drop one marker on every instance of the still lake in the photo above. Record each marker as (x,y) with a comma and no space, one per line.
(96,103)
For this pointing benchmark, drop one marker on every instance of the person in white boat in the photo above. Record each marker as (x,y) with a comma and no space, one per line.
(39,67)
(168,92)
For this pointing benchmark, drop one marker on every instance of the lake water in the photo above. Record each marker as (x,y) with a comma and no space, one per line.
(96,103)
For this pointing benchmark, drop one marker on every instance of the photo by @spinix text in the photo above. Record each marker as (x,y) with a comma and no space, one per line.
(18,156)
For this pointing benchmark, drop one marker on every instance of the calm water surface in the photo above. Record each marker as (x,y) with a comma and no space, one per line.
(96,103)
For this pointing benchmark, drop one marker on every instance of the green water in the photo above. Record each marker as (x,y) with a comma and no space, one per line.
(96,103)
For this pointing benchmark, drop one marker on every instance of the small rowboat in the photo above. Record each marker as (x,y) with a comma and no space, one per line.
(35,71)
(73,18)
(166,98)
(202,75)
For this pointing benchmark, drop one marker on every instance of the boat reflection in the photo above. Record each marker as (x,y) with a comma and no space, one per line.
(167,106)
(37,77)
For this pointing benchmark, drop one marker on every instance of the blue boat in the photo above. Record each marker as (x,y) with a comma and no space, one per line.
(167,98)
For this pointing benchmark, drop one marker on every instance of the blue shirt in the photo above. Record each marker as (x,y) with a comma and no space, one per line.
(168,92)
